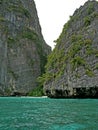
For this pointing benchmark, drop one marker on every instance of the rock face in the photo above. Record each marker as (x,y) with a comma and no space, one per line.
(23,51)
(72,68)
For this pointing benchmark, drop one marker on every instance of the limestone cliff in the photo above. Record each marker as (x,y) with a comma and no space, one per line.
(72,68)
(23,51)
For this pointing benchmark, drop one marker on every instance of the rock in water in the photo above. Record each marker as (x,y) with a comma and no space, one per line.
(72,68)
(23,51)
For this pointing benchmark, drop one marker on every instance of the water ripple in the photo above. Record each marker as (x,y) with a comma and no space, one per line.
(48,114)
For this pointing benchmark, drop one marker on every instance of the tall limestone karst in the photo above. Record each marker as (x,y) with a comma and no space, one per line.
(72,68)
(23,51)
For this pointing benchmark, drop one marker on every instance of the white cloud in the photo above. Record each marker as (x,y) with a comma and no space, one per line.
(53,14)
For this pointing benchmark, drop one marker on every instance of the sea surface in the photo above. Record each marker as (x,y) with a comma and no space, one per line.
(24,113)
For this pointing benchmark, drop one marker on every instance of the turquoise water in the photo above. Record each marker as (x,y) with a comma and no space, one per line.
(48,114)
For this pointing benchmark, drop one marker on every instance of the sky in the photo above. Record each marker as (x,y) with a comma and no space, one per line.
(53,14)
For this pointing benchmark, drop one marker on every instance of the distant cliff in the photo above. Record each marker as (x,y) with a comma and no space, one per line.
(72,68)
(23,51)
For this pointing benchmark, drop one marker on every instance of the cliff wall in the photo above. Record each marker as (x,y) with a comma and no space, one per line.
(72,68)
(23,51)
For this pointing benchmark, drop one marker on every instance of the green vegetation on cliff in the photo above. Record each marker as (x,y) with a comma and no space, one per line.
(37,92)
(73,62)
